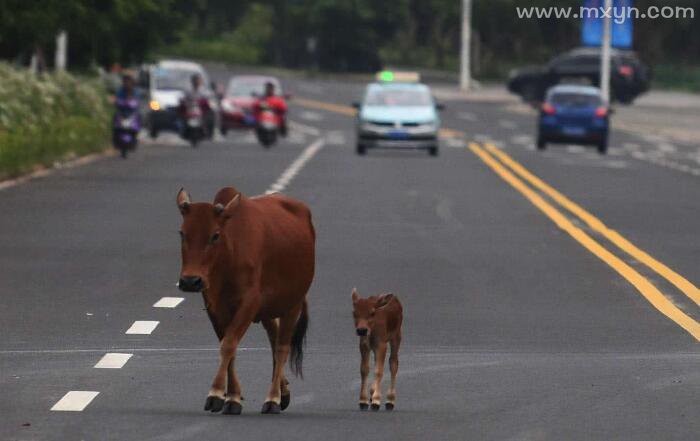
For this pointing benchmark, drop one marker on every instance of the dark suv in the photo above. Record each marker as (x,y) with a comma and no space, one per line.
(629,76)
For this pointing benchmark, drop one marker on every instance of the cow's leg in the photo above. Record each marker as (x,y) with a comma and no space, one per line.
(272,329)
(234,396)
(364,372)
(227,350)
(394,366)
(379,357)
(284,339)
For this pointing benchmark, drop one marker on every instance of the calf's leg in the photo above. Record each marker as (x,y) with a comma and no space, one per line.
(394,366)
(364,372)
(379,358)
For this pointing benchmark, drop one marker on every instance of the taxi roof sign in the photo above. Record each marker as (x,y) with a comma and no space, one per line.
(388,76)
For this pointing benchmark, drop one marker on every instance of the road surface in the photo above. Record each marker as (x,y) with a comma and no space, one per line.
(525,317)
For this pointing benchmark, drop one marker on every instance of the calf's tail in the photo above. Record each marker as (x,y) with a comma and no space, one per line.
(296,356)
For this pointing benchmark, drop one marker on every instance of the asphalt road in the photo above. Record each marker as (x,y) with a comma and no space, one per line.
(513,329)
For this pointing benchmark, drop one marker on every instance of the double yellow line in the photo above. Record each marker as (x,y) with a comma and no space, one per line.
(512,172)
(516,175)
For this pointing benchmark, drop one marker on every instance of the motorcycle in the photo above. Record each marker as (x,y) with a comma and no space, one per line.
(267,125)
(126,125)
(194,129)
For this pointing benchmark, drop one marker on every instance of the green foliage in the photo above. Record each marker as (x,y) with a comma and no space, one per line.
(248,44)
(48,118)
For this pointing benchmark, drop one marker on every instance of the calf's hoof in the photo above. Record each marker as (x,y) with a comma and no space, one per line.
(270,407)
(389,406)
(214,404)
(232,408)
(375,406)
(286,399)
(364,406)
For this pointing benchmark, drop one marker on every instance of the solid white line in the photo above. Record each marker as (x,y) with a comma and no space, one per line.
(168,302)
(296,166)
(113,360)
(142,327)
(74,401)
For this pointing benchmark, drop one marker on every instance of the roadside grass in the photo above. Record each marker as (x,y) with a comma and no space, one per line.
(48,118)
(682,78)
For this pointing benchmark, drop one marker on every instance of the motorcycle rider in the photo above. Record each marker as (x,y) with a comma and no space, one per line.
(126,101)
(197,95)
(276,103)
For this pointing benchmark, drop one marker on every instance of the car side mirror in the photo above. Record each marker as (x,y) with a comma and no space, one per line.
(440,106)
(356,105)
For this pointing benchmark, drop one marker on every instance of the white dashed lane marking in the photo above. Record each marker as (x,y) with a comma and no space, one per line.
(296,167)
(74,401)
(142,327)
(113,360)
(168,302)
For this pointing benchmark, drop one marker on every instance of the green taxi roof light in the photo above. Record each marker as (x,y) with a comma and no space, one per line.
(387,76)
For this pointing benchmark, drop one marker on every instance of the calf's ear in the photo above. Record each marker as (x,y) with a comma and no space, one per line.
(183,200)
(383,300)
(355,296)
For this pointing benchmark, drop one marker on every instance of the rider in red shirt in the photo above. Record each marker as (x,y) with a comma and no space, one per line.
(276,103)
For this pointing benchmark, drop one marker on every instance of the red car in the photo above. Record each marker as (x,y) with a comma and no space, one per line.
(241,94)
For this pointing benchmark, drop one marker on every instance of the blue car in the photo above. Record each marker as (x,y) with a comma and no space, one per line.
(574,114)
(397,112)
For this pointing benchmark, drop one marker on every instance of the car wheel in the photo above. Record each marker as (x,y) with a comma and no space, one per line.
(603,147)
(433,151)
(153,132)
(223,131)
(541,144)
(361,149)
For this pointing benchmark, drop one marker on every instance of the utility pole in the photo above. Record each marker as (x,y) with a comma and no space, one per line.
(465,77)
(605,53)
(61,57)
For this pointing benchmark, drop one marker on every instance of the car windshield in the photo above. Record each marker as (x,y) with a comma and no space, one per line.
(398,97)
(574,100)
(177,79)
(249,87)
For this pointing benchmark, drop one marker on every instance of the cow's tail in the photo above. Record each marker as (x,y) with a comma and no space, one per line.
(296,355)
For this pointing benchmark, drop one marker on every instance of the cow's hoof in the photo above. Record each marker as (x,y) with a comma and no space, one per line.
(389,406)
(232,408)
(214,404)
(375,406)
(364,406)
(286,399)
(270,407)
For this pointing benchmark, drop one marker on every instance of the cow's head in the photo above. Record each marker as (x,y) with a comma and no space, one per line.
(363,311)
(202,238)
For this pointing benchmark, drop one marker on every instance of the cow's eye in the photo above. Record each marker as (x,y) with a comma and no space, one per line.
(214,237)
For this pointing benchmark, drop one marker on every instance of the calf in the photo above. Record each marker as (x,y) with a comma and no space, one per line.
(378,322)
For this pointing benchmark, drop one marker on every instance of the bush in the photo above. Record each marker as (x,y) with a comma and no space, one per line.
(47,118)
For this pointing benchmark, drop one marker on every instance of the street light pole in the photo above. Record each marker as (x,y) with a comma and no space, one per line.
(605,53)
(465,77)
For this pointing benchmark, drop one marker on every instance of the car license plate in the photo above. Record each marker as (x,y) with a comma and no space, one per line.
(574,131)
(398,134)
(193,122)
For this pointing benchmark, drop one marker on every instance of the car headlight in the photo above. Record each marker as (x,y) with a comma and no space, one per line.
(228,107)
(427,127)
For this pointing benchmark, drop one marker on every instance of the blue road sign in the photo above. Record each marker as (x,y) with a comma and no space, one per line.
(622,23)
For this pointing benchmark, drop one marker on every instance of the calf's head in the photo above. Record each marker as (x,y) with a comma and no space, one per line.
(202,238)
(364,310)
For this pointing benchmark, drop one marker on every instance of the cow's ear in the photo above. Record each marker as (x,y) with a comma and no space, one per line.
(230,208)
(355,295)
(183,201)
(383,300)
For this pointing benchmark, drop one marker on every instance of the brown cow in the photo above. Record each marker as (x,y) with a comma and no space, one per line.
(378,322)
(253,261)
